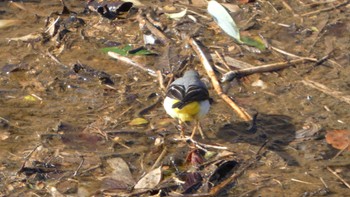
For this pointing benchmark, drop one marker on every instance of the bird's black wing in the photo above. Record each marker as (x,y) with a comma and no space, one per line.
(193,93)
(176,91)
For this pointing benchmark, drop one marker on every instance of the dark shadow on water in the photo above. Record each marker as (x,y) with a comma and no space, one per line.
(277,129)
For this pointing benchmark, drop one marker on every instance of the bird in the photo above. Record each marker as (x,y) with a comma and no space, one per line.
(187,99)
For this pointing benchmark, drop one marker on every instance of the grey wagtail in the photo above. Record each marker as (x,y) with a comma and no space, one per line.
(187,99)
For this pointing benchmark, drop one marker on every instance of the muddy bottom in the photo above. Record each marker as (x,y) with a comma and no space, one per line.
(68,111)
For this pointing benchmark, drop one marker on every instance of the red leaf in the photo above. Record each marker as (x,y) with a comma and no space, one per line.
(339,139)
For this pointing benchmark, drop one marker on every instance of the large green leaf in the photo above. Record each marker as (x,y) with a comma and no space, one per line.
(224,19)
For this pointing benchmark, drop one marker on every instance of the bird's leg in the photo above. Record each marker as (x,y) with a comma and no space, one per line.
(181,127)
(197,126)
(194,131)
(200,130)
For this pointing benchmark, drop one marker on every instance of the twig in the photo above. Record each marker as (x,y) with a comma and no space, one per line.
(27,158)
(132,63)
(292,55)
(153,29)
(161,80)
(324,183)
(161,156)
(273,7)
(318,3)
(53,24)
(272,22)
(286,5)
(259,69)
(205,145)
(222,59)
(301,57)
(242,113)
(341,179)
(340,152)
(56,60)
(326,90)
(326,9)
(79,167)
(318,34)
(299,181)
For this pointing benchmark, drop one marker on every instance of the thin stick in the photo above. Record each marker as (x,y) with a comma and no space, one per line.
(299,181)
(161,80)
(222,60)
(326,9)
(341,179)
(301,57)
(27,158)
(210,72)
(292,55)
(340,152)
(56,60)
(153,29)
(324,183)
(53,24)
(161,156)
(286,5)
(79,167)
(326,90)
(318,3)
(132,63)
(272,22)
(229,76)
(205,145)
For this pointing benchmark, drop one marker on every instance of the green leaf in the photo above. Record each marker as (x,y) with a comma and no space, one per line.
(254,42)
(223,19)
(127,50)
(121,51)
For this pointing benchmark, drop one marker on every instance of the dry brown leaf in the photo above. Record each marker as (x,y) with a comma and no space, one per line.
(150,180)
(339,139)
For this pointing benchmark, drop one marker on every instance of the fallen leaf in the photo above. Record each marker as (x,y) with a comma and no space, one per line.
(339,139)
(224,20)
(138,121)
(195,157)
(150,180)
(30,98)
(256,42)
(177,16)
(121,177)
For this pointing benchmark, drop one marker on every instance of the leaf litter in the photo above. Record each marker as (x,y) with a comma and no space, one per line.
(80,139)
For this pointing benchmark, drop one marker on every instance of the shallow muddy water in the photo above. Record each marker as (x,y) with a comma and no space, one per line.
(66,106)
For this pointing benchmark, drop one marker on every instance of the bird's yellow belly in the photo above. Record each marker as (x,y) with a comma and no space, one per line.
(187,113)
(191,109)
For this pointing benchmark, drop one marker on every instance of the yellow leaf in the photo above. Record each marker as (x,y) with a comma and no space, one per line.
(138,121)
(30,98)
